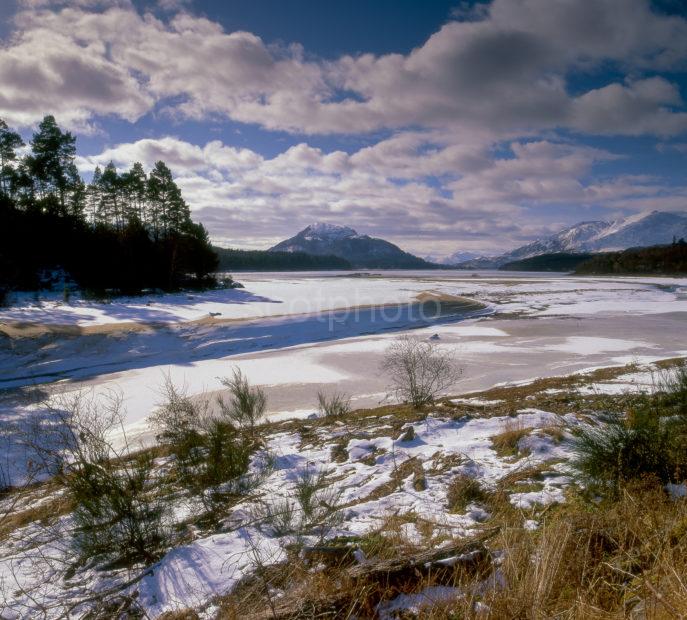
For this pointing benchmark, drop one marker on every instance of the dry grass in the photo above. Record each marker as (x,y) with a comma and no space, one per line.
(598,561)
(617,559)
(43,512)
(506,443)
(409,467)
(462,491)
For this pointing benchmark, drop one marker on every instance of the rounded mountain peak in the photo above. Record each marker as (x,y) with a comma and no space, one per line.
(322,230)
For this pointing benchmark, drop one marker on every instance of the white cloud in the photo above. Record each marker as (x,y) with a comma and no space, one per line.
(458,196)
(497,80)
(504,72)
(636,108)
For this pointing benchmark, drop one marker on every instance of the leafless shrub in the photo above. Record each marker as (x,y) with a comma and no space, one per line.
(418,370)
(248,403)
(179,419)
(333,405)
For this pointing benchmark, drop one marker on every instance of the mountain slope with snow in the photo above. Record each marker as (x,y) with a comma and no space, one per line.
(362,251)
(642,230)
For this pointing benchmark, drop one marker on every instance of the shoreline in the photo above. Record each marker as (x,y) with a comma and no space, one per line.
(25,329)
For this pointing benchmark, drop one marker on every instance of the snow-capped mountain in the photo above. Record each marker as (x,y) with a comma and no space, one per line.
(641,230)
(361,251)
(453,259)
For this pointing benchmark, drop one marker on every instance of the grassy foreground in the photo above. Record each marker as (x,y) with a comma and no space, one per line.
(612,543)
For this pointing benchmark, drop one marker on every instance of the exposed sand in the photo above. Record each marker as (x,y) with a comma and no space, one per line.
(22,329)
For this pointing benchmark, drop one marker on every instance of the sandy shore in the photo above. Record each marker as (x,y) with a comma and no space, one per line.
(23,329)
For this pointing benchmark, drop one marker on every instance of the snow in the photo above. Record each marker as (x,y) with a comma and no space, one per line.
(415,603)
(210,566)
(270,295)
(190,575)
(321,230)
(285,338)
(580,345)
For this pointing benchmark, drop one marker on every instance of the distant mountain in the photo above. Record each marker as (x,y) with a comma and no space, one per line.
(361,251)
(642,230)
(453,259)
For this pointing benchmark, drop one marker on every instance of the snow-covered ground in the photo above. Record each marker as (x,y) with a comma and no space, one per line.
(384,472)
(296,334)
(269,295)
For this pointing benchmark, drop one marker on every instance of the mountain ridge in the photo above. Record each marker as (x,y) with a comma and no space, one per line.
(362,251)
(640,230)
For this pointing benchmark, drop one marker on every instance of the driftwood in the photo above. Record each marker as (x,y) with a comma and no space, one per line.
(444,564)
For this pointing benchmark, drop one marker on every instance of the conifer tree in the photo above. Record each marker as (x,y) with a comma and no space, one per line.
(51,163)
(10,141)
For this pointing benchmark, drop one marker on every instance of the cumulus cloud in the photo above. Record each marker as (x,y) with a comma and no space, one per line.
(454,195)
(503,69)
(473,115)
(636,108)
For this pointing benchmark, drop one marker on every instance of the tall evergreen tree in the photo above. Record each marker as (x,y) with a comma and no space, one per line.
(134,192)
(94,199)
(110,197)
(52,164)
(10,141)
(121,231)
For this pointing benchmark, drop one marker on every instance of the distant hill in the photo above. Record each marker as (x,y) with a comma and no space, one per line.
(559,261)
(453,259)
(664,259)
(361,251)
(263,260)
(642,230)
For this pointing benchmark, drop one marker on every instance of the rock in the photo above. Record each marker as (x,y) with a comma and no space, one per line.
(408,434)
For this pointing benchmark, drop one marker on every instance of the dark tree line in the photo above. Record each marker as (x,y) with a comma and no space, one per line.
(124,230)
(259,260)
(658,259)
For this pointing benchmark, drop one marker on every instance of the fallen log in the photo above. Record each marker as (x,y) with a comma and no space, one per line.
(378,578)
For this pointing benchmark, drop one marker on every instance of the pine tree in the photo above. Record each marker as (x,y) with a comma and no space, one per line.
(110,192)
(9,142)
(134,192)
(52,165)
(94,199)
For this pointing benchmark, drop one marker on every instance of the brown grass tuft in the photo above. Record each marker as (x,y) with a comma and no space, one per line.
(506,443)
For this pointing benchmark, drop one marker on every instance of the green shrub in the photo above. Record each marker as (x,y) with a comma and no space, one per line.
(650,440)
(671,396)
(315,509)
(209,450)
(179,420)
(118,515)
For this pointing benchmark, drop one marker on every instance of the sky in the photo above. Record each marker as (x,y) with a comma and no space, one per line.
(440,126)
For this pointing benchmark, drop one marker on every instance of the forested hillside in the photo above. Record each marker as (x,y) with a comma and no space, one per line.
(660,259)
(260,260)
(558,261)
(123,231)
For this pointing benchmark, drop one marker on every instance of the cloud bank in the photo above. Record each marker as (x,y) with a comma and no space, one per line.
(502,76)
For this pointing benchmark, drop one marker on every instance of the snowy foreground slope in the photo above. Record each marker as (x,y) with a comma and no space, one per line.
(296,334)
(384,471)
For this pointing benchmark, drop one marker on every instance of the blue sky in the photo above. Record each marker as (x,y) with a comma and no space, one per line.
(441,126)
